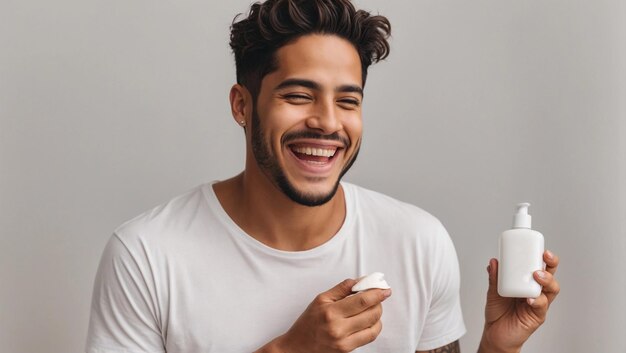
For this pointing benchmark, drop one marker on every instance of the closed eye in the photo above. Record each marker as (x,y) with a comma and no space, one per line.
(350,102)
(297,98)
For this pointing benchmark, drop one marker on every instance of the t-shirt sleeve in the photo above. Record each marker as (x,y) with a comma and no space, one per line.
(123,315)
(444,321)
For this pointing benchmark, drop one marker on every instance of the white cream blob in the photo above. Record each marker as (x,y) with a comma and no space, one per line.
(374,280)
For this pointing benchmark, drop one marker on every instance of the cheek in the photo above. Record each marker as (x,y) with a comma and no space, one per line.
(288,115)
(289,118)
(282,117)
(279,120)
(354,128)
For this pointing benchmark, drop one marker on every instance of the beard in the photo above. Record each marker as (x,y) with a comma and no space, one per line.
(269,165)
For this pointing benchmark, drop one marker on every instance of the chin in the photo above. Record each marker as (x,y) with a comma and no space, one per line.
(308,196)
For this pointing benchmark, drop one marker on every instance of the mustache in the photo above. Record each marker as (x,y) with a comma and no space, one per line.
(315,135)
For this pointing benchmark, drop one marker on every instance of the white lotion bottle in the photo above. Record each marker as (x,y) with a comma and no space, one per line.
(521,254)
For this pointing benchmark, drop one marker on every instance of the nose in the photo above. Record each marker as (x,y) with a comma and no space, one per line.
(325,117)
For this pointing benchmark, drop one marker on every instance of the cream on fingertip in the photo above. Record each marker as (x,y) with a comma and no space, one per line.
(374,280)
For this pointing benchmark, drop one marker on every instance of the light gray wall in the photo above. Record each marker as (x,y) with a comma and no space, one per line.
(108,108)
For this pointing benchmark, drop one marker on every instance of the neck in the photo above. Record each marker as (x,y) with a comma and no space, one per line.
(266,214)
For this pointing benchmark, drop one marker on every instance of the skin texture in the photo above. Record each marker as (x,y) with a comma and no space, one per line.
(314,97)
(509,322)
(334,322)
(316,91)
(301,99)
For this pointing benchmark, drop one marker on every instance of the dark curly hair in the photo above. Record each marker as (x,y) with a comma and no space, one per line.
(274,23)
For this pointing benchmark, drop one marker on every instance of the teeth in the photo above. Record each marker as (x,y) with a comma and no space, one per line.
(316,151)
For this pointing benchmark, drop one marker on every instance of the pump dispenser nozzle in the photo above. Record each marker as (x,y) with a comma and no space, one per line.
(522,219)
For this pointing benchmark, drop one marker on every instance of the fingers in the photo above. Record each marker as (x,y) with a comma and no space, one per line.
(363,337)
(364,319)
(551,260)
(336,321)
(360,302)
(539,306)
(361,315)
(551,287)
(549,291)
(338,292)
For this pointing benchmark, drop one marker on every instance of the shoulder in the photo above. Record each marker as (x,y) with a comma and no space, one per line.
(383,210)
(173,216)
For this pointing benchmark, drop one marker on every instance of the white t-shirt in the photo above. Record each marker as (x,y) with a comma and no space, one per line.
(183,277)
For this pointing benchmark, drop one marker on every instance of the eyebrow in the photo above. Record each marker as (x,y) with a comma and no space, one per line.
(316,86)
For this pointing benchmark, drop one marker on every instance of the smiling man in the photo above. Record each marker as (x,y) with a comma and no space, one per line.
(265,261)
(301,145)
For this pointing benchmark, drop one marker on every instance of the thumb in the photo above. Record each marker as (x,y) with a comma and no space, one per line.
(339,291)
(492,271)
(496,305)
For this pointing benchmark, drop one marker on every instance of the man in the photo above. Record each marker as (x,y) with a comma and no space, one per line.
(265,261)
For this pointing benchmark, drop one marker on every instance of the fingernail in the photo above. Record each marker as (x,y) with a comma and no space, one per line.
(387,293)
(549,254)
(541,274)
(530,301)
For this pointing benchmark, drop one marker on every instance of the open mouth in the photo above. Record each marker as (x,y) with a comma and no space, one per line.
(314,154)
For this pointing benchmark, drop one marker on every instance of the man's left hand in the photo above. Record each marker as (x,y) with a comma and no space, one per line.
(510,321)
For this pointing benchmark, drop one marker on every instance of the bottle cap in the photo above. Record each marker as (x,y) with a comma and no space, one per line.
(522,219)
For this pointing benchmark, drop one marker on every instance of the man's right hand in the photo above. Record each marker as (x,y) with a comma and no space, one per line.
(335,322)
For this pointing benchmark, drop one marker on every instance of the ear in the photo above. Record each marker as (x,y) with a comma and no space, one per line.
(240,104)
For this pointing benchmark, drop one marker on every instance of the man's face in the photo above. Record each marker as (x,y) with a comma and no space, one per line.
(306,128)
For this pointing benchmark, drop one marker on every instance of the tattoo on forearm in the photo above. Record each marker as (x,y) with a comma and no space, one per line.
(453,347)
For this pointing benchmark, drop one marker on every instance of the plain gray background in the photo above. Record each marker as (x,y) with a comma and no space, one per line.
(111,107)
